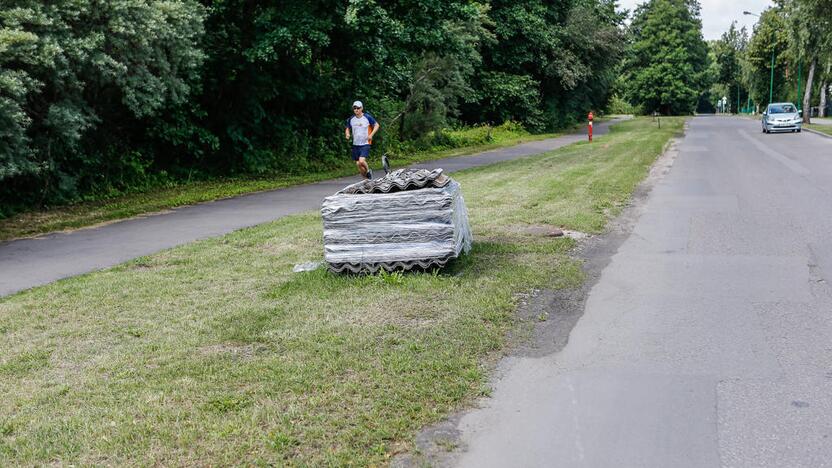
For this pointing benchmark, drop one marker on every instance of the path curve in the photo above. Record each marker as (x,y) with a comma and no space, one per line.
(26,263)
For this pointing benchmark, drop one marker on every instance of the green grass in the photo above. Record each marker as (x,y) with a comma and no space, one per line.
(466,141)
(215,353)
(827,129)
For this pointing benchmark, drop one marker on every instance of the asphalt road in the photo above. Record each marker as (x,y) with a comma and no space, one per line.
(707,340)
(33,262)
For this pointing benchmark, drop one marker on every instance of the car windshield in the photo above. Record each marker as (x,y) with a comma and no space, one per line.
(782,109)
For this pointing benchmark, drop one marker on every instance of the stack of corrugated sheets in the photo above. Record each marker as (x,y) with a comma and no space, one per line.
(404,220)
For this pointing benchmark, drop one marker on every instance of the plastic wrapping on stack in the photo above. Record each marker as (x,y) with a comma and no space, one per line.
(407,219)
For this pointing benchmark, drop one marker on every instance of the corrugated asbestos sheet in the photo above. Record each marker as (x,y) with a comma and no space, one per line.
(407,219)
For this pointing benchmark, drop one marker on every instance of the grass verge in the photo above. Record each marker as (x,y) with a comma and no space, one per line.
(215,353)
(827,129)
(92,213)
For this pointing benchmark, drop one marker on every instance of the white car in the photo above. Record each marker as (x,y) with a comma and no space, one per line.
(781,117)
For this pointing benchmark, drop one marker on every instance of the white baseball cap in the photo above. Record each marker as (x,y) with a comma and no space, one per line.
(358,104)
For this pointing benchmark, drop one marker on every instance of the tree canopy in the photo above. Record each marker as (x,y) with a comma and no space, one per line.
(666,70)
(99,98)
(770,39)
(78,78)
(796,36)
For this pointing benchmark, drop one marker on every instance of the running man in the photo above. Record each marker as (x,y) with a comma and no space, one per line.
(363,127)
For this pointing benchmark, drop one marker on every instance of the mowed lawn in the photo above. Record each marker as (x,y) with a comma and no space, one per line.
(827,129)
(215,353)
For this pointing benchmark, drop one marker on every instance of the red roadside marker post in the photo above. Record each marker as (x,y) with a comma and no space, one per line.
(589,128)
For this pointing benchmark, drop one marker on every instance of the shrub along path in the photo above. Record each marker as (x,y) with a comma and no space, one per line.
(26,263)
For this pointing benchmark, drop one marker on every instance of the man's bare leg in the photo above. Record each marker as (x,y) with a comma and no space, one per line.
(362,167)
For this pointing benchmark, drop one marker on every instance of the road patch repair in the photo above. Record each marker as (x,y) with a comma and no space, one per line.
(407,219)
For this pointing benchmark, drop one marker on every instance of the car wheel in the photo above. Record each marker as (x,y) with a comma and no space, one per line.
(798,130)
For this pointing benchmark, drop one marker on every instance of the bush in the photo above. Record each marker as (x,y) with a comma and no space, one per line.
(618,105)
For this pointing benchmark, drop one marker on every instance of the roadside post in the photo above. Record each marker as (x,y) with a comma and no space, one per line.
(589,128)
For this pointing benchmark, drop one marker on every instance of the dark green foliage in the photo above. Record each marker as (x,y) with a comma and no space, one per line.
(289,71)
(101,98)
(728,53)
(506,97)
(667,67)
(552,62)
(770,37)
(79,80)
(797,34)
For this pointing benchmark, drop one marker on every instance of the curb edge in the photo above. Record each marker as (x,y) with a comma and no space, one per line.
(816,132)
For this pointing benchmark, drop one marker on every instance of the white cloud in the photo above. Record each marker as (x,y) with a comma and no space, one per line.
(717,15)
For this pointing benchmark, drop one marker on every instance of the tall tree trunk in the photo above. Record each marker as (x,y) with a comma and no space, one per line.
(807,96)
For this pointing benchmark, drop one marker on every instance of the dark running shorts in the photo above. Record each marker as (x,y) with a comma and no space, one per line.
(362,151)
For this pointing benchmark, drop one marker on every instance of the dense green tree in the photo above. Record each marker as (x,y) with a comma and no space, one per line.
(728,54)
(78,81)
(439,57)
(822,13)
(272,71)
(281,76)
(595,37)
(97,98)
(797,34)
(770,38)
(707,102)
(824,89)
(552,61)
(808,41)
(667,67)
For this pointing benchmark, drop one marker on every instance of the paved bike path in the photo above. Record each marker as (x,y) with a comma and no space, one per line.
(26,263)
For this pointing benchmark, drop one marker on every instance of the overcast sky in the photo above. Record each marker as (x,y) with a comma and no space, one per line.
(717,15)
